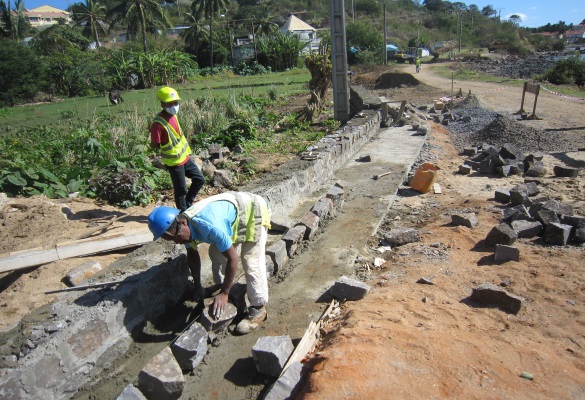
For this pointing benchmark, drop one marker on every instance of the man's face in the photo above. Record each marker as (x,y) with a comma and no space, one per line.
(170,104)
(180,235)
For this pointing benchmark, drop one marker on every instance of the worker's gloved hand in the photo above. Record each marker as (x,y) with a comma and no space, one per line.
(219,304)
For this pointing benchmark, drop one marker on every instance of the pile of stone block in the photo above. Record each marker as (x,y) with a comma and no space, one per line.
(503,161)
(528,216)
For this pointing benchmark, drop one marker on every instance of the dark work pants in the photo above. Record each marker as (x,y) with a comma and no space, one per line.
(183,198)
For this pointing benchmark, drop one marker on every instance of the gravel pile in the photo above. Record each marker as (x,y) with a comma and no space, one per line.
(486,126)
(519,67)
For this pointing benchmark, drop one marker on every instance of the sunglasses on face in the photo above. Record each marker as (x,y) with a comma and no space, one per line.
(167,235)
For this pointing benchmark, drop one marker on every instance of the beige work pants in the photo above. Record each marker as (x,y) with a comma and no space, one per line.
(253,256)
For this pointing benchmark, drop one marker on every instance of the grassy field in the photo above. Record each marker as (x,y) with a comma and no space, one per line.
(145,103)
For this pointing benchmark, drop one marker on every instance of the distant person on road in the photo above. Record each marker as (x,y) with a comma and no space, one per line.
(226,221)
(417,63)
(166,135)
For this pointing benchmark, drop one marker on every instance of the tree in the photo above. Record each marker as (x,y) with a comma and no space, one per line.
(209,9)
(92,17)
(140,15)
(13,23)
(515,19)
(434,5)
(22,74)
(489,11)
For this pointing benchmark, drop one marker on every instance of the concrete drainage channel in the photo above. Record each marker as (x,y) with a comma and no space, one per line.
(105,343)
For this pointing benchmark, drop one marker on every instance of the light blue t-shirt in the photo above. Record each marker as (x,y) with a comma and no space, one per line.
(213,224)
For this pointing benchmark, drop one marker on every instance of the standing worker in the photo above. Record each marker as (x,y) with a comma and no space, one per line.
(166,135)
(417,63)
(225,221)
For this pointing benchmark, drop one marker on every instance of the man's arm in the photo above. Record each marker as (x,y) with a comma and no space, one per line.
(194,263)
(221,299)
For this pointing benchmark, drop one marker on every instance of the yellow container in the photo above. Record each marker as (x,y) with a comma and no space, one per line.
(423,179)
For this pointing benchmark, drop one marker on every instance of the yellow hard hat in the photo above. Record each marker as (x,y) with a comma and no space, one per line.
(167,94)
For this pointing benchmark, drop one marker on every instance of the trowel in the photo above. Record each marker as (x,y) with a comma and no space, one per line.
(429,280)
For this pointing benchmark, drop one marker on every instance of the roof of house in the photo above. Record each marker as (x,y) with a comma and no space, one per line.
(294,24)
(46,11)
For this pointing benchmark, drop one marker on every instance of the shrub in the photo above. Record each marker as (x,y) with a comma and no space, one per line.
(22,73)
(568,71)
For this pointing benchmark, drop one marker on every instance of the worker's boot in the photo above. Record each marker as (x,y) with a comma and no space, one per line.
(255,317)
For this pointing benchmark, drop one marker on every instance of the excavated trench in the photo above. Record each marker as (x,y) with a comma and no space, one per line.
(106,336)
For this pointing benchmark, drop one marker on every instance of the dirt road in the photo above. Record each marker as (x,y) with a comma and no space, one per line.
(412,341)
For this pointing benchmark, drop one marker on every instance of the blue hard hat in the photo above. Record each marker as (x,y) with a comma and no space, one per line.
(160,219)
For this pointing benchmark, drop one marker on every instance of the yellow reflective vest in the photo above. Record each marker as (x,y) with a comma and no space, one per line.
(176,151)
(252,212)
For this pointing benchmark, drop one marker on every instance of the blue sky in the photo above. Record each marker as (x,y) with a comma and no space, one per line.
(534,13)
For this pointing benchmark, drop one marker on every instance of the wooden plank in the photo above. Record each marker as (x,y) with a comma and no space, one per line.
(138,236)
(28,259)
(91,245)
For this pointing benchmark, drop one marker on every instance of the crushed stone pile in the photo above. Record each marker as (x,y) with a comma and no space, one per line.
(485,126)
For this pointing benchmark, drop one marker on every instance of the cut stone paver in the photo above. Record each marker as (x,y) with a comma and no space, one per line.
(162,378)
(130,392)
(346,288)
(506,253)
(286,387)
(82,272)
(527,229)
(557,234)
(278,254)
(209,323)
(293,238)
(311,222)
(502,196)
(190,348)
(490,294)
(400,236)
(464,219)
(271,353)
(501,234)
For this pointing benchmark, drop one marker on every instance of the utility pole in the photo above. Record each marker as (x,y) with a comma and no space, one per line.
(460,29)
(339,61)
(211,38)
(385,39)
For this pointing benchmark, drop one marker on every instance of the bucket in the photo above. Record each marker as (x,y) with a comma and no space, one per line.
(424,177)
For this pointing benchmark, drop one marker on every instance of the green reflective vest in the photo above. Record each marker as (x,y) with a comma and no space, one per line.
(252,212)
(176,151)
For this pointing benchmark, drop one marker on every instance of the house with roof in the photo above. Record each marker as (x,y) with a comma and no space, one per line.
(45,16)
(576,35)
(305,31)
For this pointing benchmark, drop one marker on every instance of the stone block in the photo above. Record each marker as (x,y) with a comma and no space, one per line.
(518,195)
(131,392)
(491,295)
(311,222)
(512,152)
(211,324)
(565,172)
(504,170)
(162,378)
(464,170)
(293,238)
(502,196)
(270,354)
(280,223)
(336,194)
(349,289)
(558,207)
(238,293)
(223,178)
(506,253)
(576,221)
(579,235)
(190,348)
(470,151)
(400,236)
(82,272)
(464,219)
(536,170)
(278,254)
(321,209)
(487,166)
(498,160)
(515,213)
(269,267)
(546,217)
(501,234)
(287,386)
(527,229)
(557,234)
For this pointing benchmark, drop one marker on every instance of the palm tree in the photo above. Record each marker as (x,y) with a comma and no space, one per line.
(196,35)
(92,17)
(209,9)
(12,21)
(143,15)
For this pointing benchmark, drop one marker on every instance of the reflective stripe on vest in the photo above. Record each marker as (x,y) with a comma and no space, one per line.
(176,151)
(252,212)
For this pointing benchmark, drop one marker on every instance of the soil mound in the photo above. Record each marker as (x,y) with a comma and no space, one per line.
(395,80)
(469,101)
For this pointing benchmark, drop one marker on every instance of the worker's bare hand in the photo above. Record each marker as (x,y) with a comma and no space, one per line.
(219,304)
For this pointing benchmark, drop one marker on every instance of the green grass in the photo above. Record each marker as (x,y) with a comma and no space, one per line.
(144,102)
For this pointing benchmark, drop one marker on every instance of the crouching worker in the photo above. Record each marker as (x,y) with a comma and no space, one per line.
(226,221)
